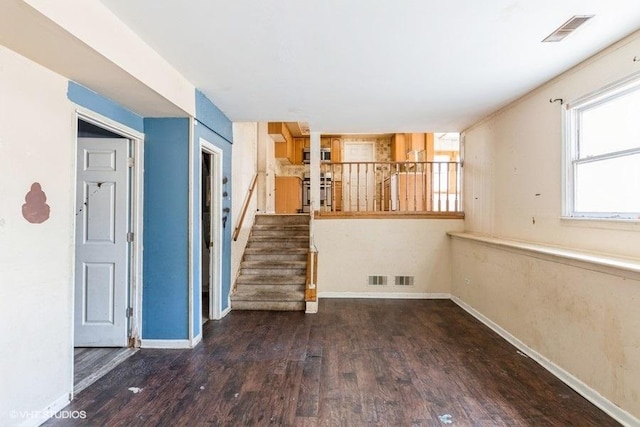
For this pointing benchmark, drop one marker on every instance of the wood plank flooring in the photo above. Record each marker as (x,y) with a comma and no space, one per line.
(91,364)
(355,363)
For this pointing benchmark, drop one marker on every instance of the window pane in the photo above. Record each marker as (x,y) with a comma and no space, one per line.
(610,127)
(611,185)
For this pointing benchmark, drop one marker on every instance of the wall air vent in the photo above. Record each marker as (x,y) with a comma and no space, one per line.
(377,280)
(404,280)
(567,28)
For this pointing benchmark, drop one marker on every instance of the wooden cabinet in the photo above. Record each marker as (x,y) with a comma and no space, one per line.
(398,148)
(288,194)
(299,144)
(283,142)
(336,150)
(403,144)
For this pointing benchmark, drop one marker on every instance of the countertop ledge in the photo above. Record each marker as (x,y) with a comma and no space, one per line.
(618,266)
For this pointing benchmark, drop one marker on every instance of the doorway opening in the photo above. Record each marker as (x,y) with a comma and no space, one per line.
(211,230)
(105,254)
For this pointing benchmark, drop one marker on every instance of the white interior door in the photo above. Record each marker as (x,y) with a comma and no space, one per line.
(358,179)
(101,269)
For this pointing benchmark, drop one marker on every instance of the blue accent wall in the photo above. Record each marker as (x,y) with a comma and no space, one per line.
(211,116)
(104,106)
(165,300)
(214,127)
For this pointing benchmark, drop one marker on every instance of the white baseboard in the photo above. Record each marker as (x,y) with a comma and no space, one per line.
(384,295)
(225,311)
(196,340)
(580,387)
(168,344)
(35,418)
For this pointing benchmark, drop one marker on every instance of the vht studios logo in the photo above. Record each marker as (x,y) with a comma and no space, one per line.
(75,415)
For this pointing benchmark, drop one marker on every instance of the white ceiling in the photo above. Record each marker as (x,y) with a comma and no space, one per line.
(367,66)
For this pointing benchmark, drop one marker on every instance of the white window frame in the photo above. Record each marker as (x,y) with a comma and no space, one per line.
(571,126)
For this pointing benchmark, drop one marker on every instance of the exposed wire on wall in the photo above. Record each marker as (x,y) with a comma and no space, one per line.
(560,100)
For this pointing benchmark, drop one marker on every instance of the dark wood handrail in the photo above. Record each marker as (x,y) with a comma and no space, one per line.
(245,206)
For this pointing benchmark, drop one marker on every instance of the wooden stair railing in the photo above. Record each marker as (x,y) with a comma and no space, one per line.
(245,206)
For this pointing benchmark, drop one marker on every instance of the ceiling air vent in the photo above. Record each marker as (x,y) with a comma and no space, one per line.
(567,28)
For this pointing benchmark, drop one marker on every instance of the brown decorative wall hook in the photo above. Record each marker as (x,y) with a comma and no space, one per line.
(35,210)
(560,100)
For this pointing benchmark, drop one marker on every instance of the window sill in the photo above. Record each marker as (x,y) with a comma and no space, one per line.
(602,223)
(617,266)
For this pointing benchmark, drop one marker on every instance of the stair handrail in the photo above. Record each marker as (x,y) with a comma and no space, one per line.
(245,206)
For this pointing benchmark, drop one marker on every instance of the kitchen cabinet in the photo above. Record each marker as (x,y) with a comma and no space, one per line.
(336,150)
(404,144)
(299,144)
(288,190)
(283,141)
(398,148)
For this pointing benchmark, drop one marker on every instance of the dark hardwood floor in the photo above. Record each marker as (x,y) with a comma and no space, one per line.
(355,363)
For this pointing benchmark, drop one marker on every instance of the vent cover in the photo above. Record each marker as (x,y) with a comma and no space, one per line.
(377,280)
(567,28)
(404,280)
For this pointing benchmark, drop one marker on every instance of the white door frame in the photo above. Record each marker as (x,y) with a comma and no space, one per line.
(215,259)
(136,152)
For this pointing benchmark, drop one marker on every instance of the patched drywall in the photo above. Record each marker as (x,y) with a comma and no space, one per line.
(36,153)
(584,321)
(587,323)
(350,250)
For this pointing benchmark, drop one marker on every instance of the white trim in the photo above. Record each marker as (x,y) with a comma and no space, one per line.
(196,340)
(36,418)
(580,387)
(225,311)
(190,254)
(385,295)
(137,248)
(136,213)
(107,123)
(165,344)
(215,267)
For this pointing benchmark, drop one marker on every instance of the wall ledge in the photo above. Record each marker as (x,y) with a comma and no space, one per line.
(616,266)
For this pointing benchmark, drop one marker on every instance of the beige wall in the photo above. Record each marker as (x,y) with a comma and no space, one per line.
(349,250)
(244,167)
(513,164)
(584,321)
(37,144)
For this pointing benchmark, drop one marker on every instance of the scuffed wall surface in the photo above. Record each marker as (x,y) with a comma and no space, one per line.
(349,250)
(584,321)
(37,143)
(245,137)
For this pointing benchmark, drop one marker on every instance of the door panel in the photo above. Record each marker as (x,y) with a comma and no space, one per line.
(102,251)
(359,180)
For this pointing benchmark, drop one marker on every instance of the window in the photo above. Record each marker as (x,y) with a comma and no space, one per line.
(603,153)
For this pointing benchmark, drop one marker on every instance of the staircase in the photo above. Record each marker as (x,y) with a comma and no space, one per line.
(274,266)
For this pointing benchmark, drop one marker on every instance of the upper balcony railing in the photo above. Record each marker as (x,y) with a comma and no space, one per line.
(391,188)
